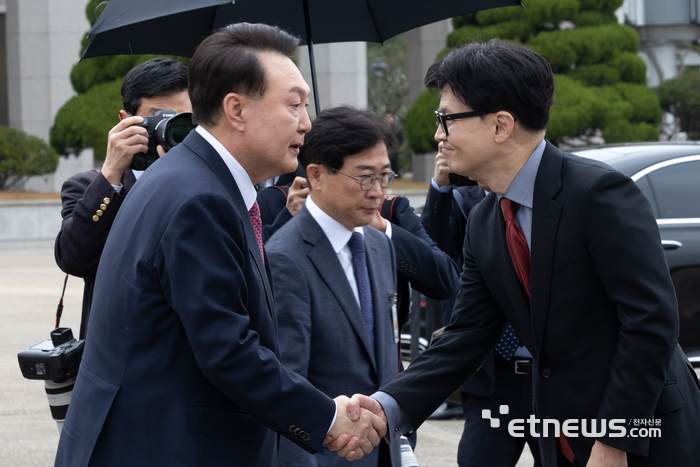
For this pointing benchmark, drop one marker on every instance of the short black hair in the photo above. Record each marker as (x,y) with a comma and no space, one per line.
(161,76)
(496,75)
(340,132)
(227,61)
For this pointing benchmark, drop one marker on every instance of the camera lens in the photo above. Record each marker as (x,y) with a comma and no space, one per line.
(177,129)
(59,395)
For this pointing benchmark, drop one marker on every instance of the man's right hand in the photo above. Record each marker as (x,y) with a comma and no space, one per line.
(297,195)
(344,444)
(442,171)
(354,437)
(123,142)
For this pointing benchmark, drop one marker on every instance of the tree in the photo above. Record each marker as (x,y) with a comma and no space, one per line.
(600,80)
(680,96)
(22,155)
(85,120)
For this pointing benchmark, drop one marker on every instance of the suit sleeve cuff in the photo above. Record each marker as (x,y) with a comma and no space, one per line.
(397,419)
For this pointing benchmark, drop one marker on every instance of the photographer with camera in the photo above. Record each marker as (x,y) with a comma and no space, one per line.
(92,199)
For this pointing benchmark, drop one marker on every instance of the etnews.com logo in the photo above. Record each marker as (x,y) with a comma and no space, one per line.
(573,428)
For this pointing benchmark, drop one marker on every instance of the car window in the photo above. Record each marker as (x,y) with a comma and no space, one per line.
(676,190)
(645,186)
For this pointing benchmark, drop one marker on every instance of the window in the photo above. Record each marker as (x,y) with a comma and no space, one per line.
(676,190)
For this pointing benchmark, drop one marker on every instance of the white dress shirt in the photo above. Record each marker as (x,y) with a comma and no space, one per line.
(339,236)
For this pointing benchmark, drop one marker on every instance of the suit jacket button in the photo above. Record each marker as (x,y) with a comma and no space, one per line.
(106,200)
(415,270)
(292,428)
(302,434)
(95,218)
(546,373)
(99,212)
(103,207)
(307,437)
(297,431)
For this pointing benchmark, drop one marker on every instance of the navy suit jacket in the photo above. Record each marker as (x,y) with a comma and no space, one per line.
(80,241)
(181,361)
(602,323)
(322,333)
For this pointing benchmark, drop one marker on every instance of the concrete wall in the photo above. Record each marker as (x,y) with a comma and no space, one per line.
(341,70)
(29,224)
(43,43)
(424,44)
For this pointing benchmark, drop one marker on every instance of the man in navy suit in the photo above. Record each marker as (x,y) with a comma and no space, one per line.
(181,366)
(567,251)
(318,283)
(91,200)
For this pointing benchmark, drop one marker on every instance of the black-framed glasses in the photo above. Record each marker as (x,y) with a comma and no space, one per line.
(367,181)
(443,118)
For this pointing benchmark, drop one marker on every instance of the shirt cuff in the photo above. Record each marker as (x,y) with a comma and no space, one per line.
(334,417)
(444,189)
(396,417)
(118,189)
(388,229)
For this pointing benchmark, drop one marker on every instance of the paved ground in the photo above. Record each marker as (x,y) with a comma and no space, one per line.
(30,286)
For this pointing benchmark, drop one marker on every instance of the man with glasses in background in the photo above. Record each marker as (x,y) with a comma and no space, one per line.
(334,278)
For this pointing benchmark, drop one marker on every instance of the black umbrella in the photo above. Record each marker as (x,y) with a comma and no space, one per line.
(176,27)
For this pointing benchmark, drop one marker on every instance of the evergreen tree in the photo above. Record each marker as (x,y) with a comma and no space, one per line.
(600,80)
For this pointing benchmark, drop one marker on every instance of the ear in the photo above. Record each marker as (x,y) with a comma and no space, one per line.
(505,125)
(232,107)
(315,174)
(123,114)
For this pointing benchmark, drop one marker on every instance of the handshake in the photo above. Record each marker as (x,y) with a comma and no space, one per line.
(359,426)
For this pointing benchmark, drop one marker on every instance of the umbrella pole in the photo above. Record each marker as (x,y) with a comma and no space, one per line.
(314,80)
(312,60)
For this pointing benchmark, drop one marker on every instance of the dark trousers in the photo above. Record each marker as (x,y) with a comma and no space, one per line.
(483,446)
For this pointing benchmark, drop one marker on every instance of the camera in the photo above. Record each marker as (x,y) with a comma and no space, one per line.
(165,128)
(56,359)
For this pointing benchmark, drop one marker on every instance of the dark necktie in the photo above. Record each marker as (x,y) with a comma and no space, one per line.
(257,226)
(520,255)
(359,266)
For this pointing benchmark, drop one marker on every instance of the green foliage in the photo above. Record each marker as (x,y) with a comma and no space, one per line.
(681,97)
(85,120)
(604,6)
(538,13)
(600,80)
(420,122)
(22,155)
(584,46)
(594,18)
(624,112)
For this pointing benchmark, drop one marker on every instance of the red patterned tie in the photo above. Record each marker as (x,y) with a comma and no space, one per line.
(520,255)
(257,225)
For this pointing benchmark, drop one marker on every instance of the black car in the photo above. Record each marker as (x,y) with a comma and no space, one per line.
(669,175)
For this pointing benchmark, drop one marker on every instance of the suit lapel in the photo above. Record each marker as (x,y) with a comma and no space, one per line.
(545,221)
(324,258)
(204,150)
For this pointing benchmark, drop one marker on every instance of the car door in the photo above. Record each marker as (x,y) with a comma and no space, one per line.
(673,187)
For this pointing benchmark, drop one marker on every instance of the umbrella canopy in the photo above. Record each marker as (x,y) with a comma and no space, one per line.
(176,27)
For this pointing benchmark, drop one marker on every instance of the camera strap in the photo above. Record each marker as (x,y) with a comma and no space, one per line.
(59,309)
